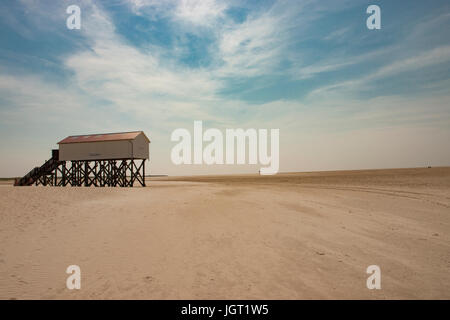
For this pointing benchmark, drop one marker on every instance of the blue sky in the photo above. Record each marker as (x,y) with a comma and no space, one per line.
(343,96)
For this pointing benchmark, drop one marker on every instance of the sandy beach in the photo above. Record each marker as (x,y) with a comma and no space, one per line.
(289,236)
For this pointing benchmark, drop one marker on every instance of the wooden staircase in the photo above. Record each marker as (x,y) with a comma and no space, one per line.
(39,172)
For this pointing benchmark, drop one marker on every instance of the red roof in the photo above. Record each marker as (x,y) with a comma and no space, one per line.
(103,137)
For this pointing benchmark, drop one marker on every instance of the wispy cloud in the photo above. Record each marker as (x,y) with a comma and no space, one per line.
(425,59)
(200,12)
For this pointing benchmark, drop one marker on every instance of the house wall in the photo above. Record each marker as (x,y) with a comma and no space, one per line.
(141,147)
(103,150)
(95,150)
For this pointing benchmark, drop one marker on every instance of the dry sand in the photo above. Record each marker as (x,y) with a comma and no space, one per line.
(291,236)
